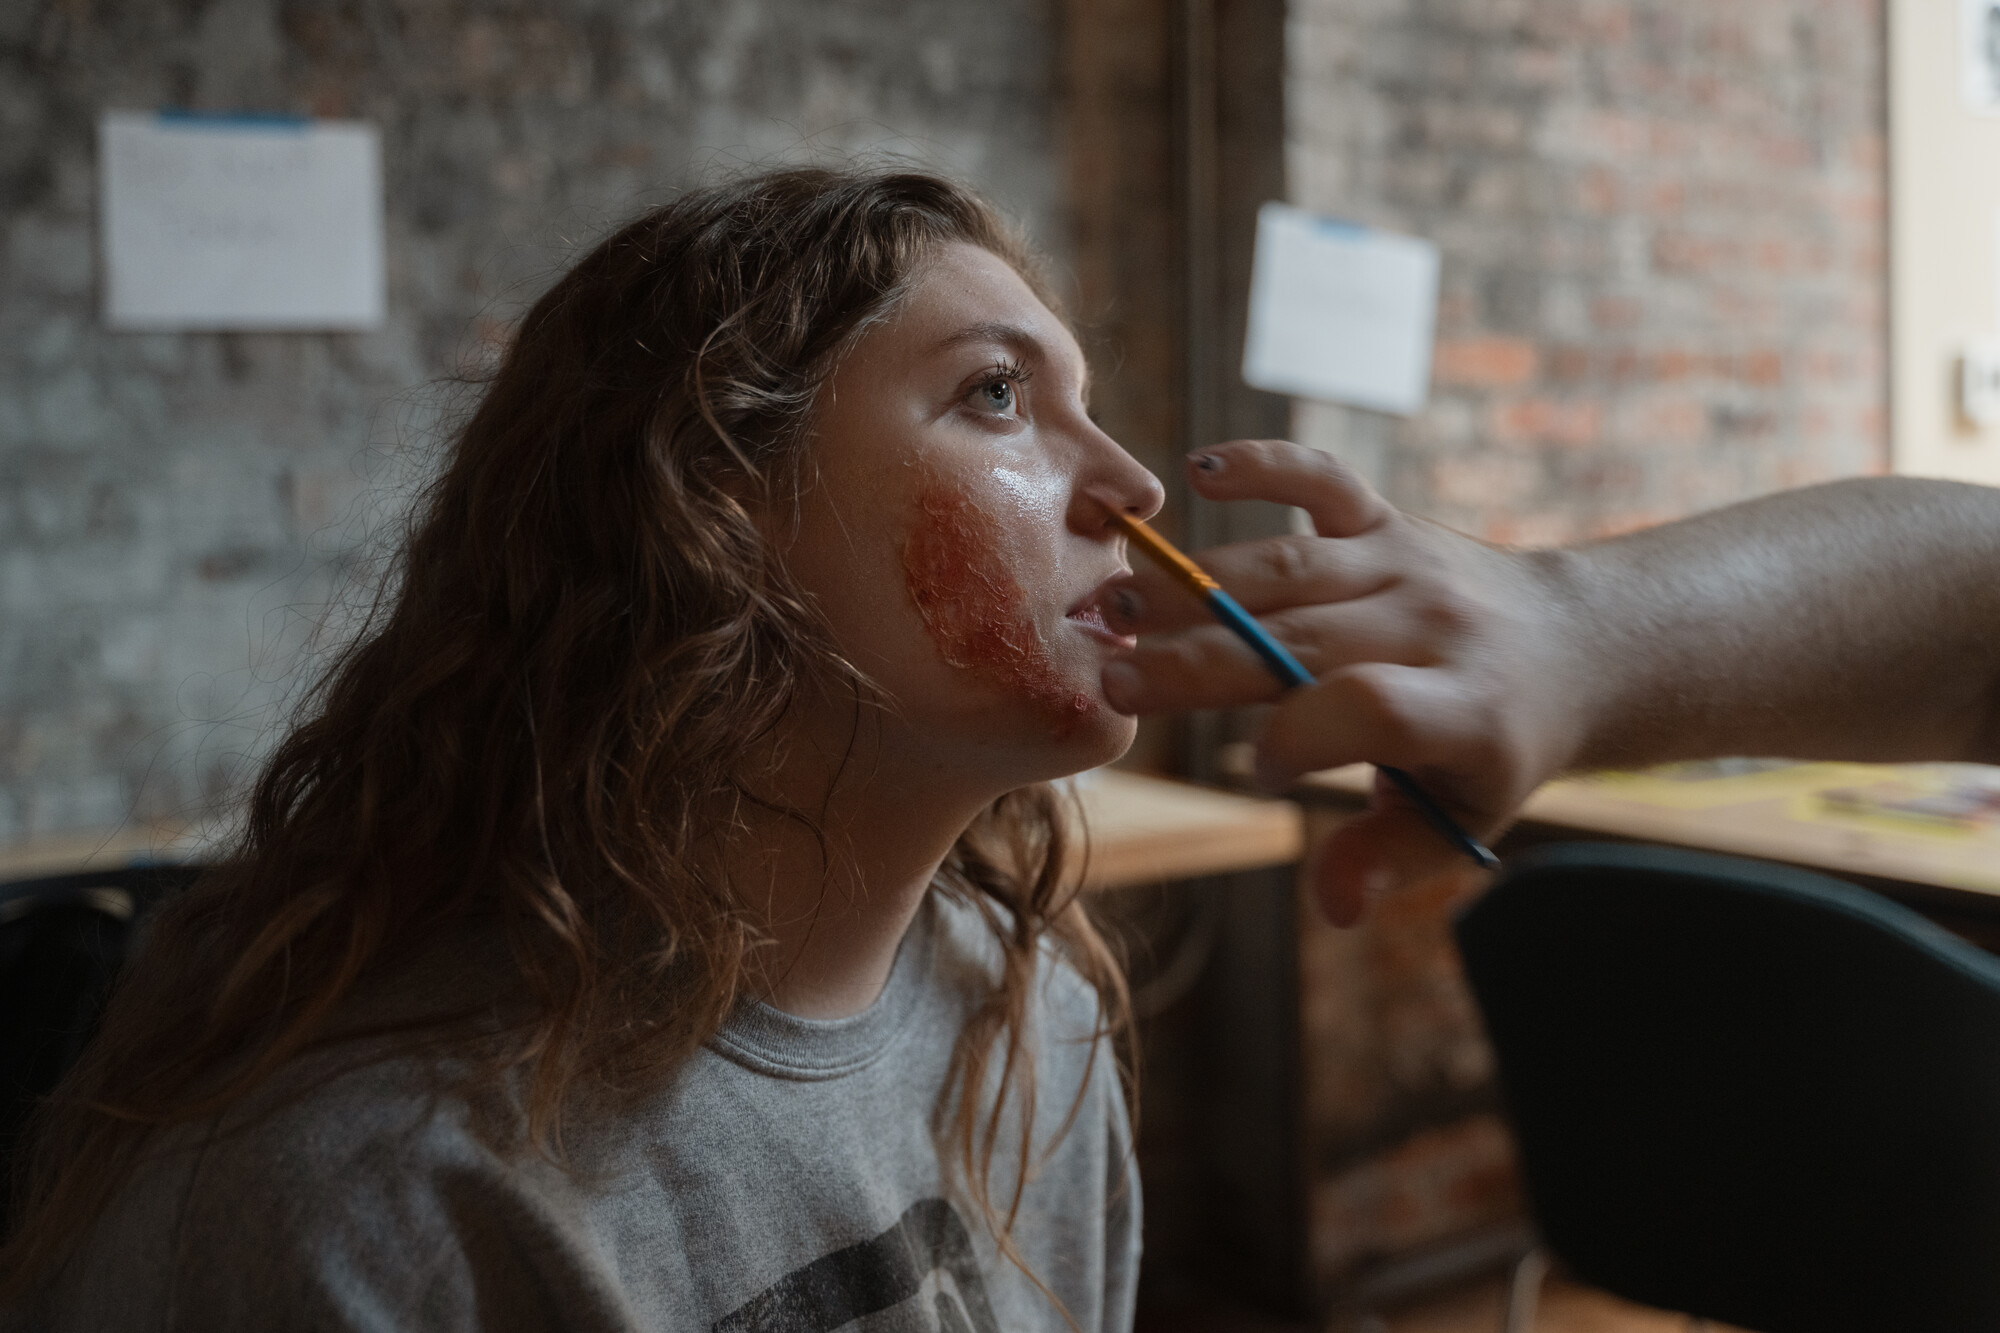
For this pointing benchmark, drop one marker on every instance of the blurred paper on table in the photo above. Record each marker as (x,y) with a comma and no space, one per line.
(1340,312)
(1943,799)
(240,222)
(1705,784)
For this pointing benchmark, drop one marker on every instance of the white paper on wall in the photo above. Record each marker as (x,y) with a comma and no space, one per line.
(1340,312)
(1979,55)
(240,222)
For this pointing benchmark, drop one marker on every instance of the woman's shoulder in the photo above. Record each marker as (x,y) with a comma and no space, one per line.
(401,1093)
(359,1178)
(358,1112)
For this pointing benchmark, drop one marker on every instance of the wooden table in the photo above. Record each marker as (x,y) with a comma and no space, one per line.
(1145,830)
(132,844)
(1791,814)
(1141,830)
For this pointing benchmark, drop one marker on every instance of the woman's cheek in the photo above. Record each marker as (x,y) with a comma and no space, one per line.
(972,605)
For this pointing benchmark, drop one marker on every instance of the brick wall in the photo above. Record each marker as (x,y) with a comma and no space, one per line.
(1663,230)
(1663,234)
(1405,1150)
(175,510)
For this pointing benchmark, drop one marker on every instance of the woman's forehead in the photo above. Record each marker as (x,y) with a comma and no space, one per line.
(967,295)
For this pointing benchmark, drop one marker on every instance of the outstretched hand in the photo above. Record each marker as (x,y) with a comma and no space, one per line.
(1432,652)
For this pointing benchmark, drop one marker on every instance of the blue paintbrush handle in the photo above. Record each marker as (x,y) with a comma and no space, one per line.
(1289,671)
(1482,855)
(1276,656)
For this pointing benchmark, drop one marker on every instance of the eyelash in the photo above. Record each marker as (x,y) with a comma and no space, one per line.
(1012,372)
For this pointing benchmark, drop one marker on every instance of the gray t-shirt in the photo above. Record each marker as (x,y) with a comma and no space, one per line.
(788,1180)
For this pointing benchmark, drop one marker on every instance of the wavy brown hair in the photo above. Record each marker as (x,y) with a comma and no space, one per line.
(541,727)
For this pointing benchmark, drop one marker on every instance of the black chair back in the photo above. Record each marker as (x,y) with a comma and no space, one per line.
(1746,1092)
(63,939)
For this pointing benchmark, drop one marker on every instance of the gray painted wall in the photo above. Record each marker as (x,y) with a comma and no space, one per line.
(179,511)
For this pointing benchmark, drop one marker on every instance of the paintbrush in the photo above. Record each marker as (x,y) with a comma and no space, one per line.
(1287,669)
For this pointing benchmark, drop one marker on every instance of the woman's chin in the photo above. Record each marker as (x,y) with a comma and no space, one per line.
(1094,737)
(1020,740)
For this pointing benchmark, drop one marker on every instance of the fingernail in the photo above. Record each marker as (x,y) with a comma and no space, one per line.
(1126,605)
(1208,463)
(1122,685)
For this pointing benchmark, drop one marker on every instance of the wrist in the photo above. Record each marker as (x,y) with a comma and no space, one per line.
(1580,666)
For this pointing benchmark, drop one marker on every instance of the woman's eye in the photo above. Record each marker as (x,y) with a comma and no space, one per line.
(996,395)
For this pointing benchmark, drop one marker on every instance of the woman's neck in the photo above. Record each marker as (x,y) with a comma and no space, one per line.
(835,907)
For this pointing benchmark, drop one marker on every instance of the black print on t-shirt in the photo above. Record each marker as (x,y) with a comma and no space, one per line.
(836,1289)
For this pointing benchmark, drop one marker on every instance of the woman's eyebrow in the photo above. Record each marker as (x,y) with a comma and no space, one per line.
(1016,338)
(1007,335)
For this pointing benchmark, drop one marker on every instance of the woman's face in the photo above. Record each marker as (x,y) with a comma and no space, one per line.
(956,534)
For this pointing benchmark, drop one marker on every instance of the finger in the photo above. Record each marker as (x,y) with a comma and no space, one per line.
(1378,713)
(1209,667)
(1340,502)
(1279,572)
(1381,850)
(1267,575)
(1148,601)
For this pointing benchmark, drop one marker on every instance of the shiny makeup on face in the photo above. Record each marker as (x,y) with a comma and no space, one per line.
(974,608)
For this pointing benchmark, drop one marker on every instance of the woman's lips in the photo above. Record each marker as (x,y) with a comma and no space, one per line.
(1090,617)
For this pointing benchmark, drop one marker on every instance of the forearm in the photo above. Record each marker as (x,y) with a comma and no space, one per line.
(1858,620)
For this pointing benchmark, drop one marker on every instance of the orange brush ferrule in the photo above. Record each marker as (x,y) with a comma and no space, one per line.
(1187,571)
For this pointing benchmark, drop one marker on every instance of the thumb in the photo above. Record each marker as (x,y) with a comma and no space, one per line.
(1386,847)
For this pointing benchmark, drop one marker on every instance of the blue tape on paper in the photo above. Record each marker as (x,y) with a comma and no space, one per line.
(1353,231)
(267,122)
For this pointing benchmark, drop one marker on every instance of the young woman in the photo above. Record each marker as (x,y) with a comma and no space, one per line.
(656,922)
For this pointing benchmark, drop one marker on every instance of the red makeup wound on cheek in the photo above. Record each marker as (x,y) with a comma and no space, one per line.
(975,611)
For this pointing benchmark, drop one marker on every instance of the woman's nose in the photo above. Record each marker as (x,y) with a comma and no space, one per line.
(1113,479)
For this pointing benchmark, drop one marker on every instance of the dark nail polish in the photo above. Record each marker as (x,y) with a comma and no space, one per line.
(1208,462)
(1127,605)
